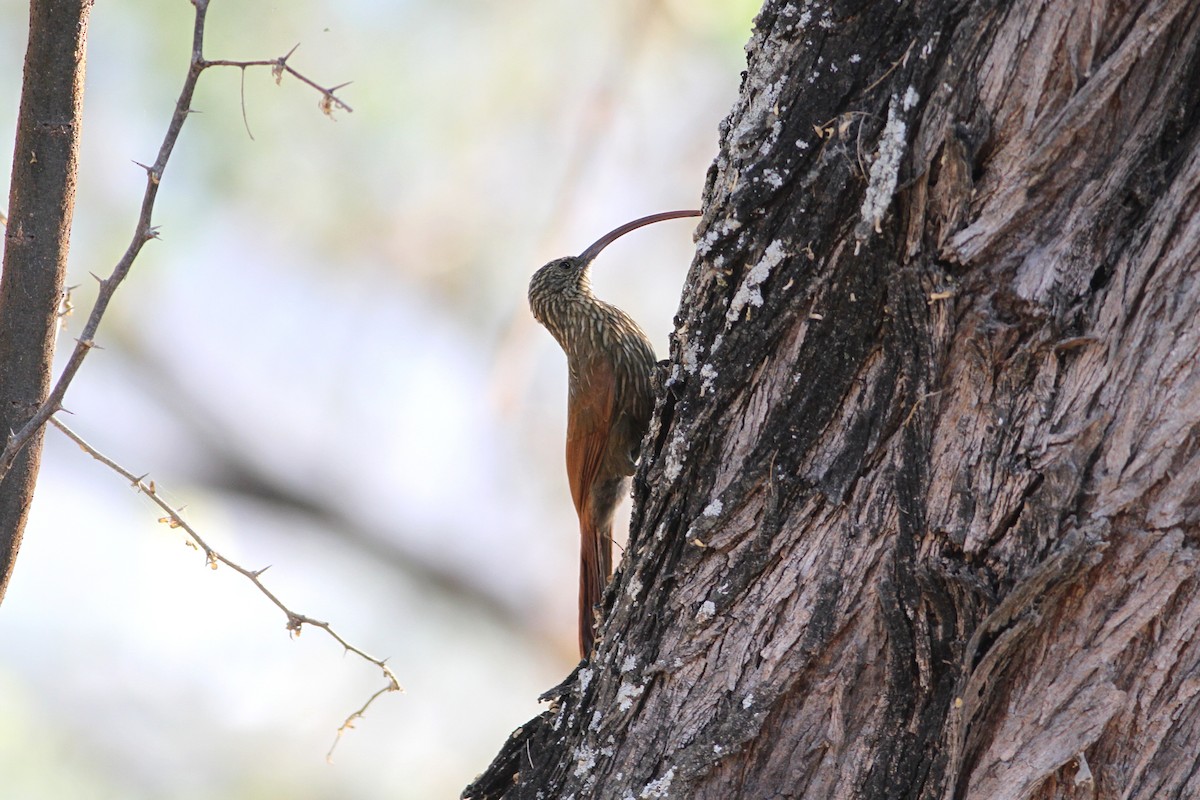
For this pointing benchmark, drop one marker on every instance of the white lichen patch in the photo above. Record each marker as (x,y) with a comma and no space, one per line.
(750,292)
(769,142)
(626,693)
(714,508)
(690,357)
(707,611)
(660,787)
(634,588)
(595,723)
(585,760)
(629,664)
(772,178)
(748,700)
(885,171)
(757,114)
(675,456)
(585,677)
(709,375)
(715,232)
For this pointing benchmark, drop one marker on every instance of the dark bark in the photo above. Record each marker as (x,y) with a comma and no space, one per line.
(41,201)
(918,514)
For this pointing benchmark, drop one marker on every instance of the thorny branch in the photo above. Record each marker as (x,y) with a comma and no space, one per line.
(145,231)
(329,101)
(213,558)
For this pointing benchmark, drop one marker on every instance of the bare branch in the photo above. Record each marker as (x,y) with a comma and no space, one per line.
(144,230)
(350,720)
(329,100)
(295,621)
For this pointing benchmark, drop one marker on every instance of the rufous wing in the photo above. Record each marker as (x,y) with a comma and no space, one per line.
(589,420)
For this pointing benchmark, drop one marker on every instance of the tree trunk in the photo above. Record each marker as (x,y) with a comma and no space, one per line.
(918,514)
(40,203)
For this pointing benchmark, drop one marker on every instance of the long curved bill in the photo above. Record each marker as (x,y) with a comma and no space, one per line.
(604,241)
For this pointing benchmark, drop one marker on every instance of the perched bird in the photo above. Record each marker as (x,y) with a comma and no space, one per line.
(609,402)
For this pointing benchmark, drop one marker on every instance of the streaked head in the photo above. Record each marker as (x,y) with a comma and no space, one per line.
(555,285)
(564,279)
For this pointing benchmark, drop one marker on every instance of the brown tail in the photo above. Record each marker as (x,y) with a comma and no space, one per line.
(595,567)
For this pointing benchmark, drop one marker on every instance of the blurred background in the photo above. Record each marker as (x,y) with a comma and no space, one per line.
(328,359)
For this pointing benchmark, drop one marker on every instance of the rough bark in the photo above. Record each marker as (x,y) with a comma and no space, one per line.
(41,201)
(918,514)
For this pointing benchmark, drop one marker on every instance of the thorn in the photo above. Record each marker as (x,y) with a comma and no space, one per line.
(151,233)
(259,572)
(151,172)
(135,483)
(89,344)
(61,409)
(280,65)
(340,86)
(99,280)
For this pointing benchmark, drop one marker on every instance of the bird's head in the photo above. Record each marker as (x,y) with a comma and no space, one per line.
(562,280)
(566,279)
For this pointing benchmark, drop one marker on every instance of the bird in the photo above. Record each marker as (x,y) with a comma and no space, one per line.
(610,398)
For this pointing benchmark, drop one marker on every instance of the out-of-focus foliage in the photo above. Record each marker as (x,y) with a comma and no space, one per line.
(329,360)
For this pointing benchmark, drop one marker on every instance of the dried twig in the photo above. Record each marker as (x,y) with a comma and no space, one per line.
(295,621)
(329,100)
(144,230)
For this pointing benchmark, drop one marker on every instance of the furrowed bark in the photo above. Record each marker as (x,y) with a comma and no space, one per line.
(918,514)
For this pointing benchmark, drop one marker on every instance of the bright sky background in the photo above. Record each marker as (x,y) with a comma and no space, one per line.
(329,360)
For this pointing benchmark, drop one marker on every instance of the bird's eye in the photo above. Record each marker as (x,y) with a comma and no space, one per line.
(565,265)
